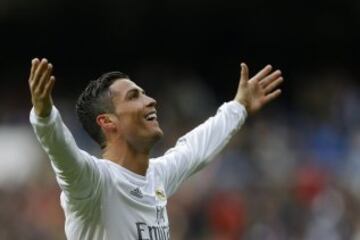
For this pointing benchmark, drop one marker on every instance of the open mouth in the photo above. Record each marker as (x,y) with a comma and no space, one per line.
(151,116)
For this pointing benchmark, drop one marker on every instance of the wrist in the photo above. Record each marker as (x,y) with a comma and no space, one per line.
(43,109)
(243,102)
(42,113)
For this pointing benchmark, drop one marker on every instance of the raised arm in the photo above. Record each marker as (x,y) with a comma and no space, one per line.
(199,146)
(76,170)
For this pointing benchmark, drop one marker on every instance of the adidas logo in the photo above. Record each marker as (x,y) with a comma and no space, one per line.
(137,193)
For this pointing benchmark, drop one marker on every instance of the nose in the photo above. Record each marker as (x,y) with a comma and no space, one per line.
(151,102)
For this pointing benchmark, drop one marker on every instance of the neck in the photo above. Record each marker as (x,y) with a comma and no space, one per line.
(128,157)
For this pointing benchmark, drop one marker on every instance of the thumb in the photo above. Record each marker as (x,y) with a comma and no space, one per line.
(244,74)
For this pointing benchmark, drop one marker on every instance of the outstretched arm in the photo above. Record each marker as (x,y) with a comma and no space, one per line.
(198,147)
(76,170)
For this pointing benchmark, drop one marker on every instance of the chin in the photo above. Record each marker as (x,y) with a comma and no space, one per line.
(153,135)
(158,134)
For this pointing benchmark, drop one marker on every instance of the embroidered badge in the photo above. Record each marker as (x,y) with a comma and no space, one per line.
(160,194)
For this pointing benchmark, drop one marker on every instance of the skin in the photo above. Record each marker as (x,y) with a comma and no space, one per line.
(129,136)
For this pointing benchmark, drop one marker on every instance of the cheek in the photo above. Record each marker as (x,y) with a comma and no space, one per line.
(130,120)
(130,124)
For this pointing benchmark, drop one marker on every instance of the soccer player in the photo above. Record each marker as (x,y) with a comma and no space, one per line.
(123,195)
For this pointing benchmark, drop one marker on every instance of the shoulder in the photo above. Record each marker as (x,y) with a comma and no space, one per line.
(164,163)
(157,165)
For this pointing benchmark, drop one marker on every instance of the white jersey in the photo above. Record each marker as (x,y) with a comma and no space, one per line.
(103,200)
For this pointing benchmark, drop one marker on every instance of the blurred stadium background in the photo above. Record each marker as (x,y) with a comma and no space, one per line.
(291,173)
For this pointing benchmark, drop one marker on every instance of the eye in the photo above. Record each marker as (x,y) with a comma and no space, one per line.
(133,95)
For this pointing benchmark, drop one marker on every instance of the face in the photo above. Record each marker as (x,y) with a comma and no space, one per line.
(135,114)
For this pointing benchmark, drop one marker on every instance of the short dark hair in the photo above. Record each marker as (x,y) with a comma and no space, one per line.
(94,100)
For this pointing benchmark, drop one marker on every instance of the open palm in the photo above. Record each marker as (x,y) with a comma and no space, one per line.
(254,93)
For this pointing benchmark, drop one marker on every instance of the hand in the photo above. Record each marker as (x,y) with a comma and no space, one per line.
(260,89)
(41,83)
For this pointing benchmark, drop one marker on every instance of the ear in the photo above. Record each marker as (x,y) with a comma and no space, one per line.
(106,122)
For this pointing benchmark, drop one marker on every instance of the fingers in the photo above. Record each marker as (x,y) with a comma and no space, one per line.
(263,73)
(39,72)
(270,78)
(34,65)
(49,86)
(45,78)
(272,96)
(273,85)
(244,74)
(41,81)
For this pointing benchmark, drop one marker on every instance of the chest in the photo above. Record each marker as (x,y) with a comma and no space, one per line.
(136,208)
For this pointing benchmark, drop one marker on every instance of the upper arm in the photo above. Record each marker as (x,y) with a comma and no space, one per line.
(76,171)
(83,180)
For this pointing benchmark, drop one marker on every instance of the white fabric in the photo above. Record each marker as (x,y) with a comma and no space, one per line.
(103,200)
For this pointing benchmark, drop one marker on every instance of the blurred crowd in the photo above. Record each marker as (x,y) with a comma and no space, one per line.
(291,173)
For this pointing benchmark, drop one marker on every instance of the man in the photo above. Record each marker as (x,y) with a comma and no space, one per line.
(124,194)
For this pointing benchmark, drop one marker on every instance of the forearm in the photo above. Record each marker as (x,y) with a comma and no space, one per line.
(210,138)
(199,146)
(56,140)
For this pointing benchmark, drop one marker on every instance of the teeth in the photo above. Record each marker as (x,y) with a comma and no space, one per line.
(151,116)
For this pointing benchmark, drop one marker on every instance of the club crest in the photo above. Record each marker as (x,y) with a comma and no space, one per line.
(160,194)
